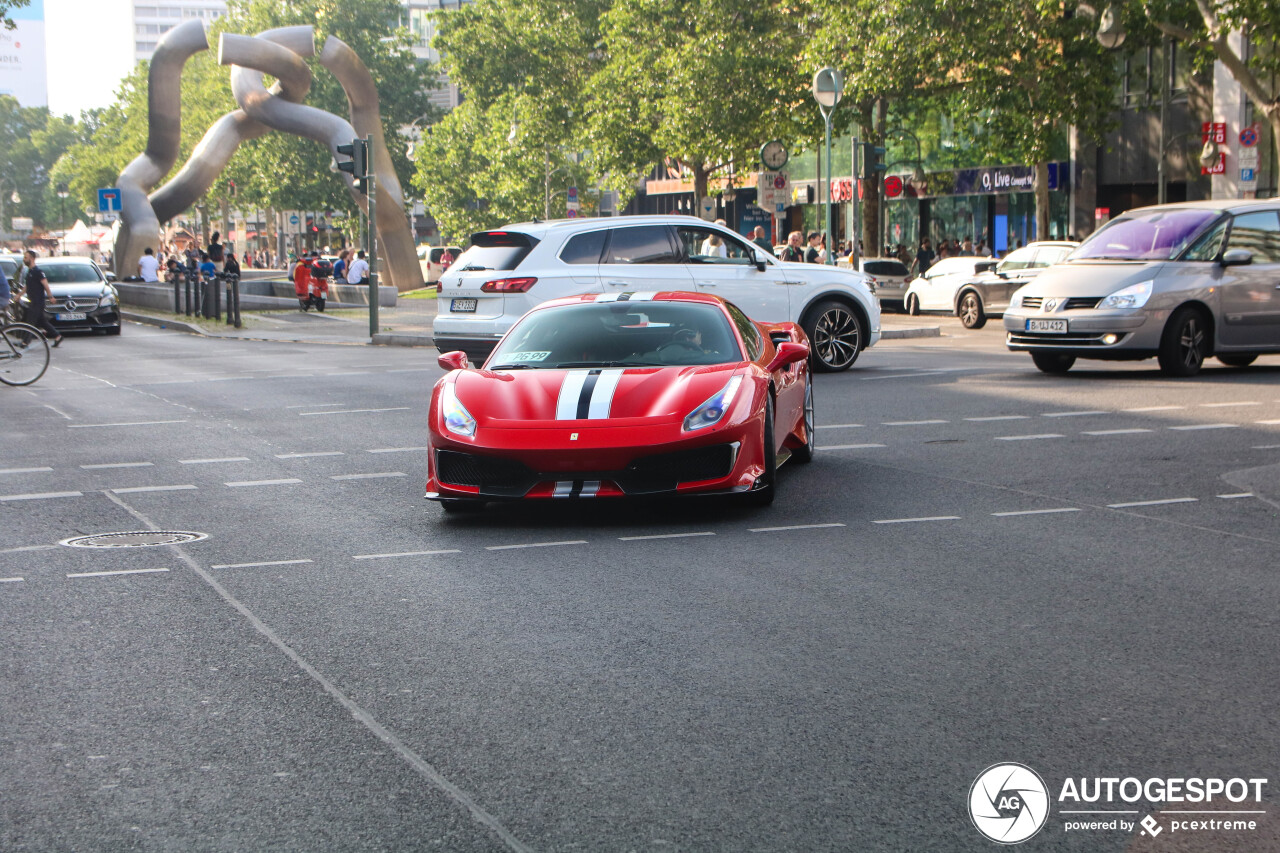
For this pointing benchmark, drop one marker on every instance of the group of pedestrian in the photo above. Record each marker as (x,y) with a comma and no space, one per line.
(38,293)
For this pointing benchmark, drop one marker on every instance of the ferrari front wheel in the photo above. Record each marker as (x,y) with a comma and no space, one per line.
(804,453)
(762,494)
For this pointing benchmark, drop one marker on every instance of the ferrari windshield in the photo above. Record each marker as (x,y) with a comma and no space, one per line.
(1158,235)
(619,334)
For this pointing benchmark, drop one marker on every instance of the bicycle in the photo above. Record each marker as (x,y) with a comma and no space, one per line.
(24,352)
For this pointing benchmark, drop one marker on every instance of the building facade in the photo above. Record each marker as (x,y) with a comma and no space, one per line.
(154,18)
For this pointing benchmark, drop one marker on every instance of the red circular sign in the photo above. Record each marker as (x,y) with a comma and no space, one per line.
(779,182)
(892,186)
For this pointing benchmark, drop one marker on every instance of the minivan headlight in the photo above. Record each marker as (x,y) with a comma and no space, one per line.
(713,409)
(455,415)
(1133,296)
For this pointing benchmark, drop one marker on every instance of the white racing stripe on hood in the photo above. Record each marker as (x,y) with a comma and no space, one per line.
(570,390)
(602,396)
(598,384)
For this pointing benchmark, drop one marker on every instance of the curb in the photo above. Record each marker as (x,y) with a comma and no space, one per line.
(148,320)
(899,334)
(392,339)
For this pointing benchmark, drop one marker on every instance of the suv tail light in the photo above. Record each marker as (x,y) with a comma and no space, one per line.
(439,286)
(508,285)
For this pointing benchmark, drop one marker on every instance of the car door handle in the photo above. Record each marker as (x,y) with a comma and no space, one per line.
(706,283)
(618,283)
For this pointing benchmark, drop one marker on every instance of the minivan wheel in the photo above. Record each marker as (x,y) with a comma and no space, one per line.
(1184,344)
(836,335)
(970,311)
(1237,360)
(1050,362)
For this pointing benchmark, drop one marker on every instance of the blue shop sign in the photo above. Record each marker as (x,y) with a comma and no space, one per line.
(993,180)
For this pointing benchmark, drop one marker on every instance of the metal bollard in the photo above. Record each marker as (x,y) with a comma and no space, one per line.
(190,284)
(177,294)
(218,282)
(235,297)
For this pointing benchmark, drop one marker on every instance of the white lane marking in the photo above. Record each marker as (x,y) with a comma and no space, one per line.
(130,423)
(56,410)
(848,446)
(117,572)
(664,536)
(137,489)
(911,423)
(212,461)
(1072,414)
(405,554)
(1035,512)
(912,520)
(11,580)
(27,548)
(1033,437)
(166,382)
(1115,431)
(904,375)
(1154,409)
(350,373)
(1154,503)
(353,411)
(1229,405)
(24,470)
(1000,418)
(267,563)
(1264,423)
(308,455)
(536,545)
(397,449)
(1236,496)
(315,405)
(118,465)
(1189,427)
(241,483)
(839,426)
(368,476)
(1266,447)
(794,527)
(41,496)
(412,370)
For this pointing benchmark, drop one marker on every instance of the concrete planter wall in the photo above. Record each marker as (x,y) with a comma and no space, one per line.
(260,295)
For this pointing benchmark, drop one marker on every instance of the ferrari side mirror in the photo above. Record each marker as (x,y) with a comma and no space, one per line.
(453,361)
(788,354)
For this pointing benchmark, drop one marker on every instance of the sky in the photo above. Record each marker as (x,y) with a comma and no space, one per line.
(89,49)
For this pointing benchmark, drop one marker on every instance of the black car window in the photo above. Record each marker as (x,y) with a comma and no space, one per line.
(584,248)
(644,244)
(1209,245)
(889,268)
(710,246)
(1258,232)
(746,328)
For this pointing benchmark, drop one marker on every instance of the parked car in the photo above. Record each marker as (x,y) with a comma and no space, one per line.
(506,272)
(988,294)
(83,297)
(1180,282)
(936,290)
(595,397)
(889,278)
(431,259)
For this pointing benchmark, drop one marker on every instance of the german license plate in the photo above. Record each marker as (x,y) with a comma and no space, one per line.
(462,306)
(1052,327)
(74,315)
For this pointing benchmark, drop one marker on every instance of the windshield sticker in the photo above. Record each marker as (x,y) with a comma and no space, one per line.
(528,356)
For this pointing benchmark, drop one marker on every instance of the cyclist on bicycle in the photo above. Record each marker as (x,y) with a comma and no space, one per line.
(5,296)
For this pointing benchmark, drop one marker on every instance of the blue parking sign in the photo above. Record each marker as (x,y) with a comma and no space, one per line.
(1248,176)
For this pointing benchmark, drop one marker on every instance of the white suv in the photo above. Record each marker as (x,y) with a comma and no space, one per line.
(506,272)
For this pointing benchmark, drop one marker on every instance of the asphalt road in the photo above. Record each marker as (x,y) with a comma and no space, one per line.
(983,564)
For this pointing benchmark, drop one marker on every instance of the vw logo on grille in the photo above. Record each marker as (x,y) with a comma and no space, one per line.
(1050,304)
(71,304)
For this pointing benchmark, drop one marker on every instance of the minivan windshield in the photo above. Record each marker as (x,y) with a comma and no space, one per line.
(1157,235)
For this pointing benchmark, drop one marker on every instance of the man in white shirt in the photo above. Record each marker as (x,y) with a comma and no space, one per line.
(358,272)
(148,266)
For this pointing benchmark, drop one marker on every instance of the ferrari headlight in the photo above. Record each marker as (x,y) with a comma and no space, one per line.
(455,415)
(1133,296)
(710,412)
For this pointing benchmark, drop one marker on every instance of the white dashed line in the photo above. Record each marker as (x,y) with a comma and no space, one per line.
(412,370)
(11,580)
(405,554)
(848,446)
(368,476)
(913,520)
(1154,503)
(1071,414)
(24,470)
(912,423)
(1000,418)
(129,423)
(1264,423)
(308,455)
(794,527)
(118,572)
(212,461)
(1236,496)
(315,405)
(132,490)
(350,373)
(1189,427)
(536,545)
(1266,447)
(241,483)
(664,536)
(1229,405)
(353,411)
(1155,409)
(41,496)
(255,565)
(1036,512)
(27,548)
(1133,431)
(904,375)
(118,465)
(397,449)
(1033,437)
(840,426)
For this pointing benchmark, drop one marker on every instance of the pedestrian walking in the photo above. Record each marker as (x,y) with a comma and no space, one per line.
(793,251)
(924,258)
(37,291)
(758,237)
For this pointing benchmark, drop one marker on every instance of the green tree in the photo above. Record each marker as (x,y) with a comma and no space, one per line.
(31,142)
(7,6)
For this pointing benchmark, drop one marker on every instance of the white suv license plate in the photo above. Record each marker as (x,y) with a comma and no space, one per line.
(1052,327)
(75,315)
(468,306)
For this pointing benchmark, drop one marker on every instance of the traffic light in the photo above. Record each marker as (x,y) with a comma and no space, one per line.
(358,165)
(872,161)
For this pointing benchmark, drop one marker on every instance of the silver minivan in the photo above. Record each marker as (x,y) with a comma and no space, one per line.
(1178,282)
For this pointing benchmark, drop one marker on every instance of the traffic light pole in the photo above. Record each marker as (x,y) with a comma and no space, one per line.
(855,231)
(373,257)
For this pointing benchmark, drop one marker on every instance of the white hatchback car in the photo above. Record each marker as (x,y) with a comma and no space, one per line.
(506,272)
(936,289)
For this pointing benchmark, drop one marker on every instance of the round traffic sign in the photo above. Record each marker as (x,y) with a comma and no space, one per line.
(779,182)
(892,186)
(1249,137)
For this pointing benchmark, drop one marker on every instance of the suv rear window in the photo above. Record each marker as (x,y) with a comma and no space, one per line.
(890,268)
(495,250)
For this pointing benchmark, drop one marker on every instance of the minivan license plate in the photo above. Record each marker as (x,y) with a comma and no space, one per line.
(1053,327)
(468,306)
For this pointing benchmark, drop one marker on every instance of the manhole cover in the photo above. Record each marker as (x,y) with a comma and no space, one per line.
(134,539)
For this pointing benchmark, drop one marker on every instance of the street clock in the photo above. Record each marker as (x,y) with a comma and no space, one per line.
(773,155)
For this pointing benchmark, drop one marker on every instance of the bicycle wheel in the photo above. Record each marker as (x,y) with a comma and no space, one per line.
(24,355)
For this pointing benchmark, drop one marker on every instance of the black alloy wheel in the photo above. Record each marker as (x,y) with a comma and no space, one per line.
(836,335)
(804,454)
(1185,343)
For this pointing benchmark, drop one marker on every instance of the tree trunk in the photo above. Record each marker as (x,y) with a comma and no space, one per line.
(700,175)
(872,120)
(1042,200)
(1273,119)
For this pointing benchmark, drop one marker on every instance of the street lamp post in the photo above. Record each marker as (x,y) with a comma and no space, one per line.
(62,213)
(828,86)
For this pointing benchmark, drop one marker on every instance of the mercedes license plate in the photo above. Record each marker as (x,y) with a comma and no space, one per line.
(75,315)
(463,306)
(1052,327)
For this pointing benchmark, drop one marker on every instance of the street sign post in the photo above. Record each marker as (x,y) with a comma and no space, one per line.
(109,200)
(828,87)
